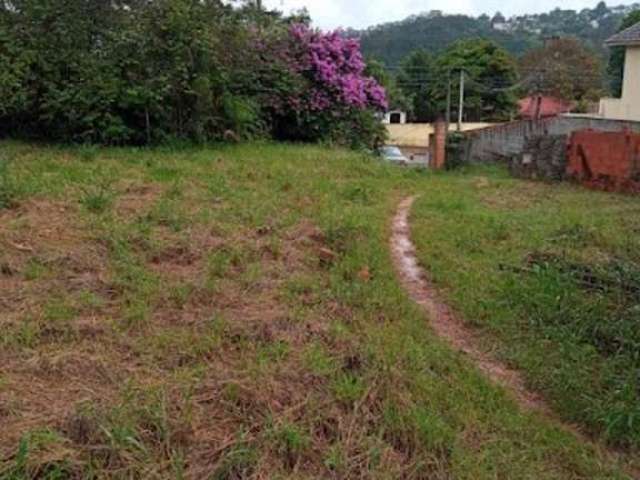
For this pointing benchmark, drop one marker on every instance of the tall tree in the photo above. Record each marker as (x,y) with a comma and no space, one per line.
(415,79)
(615,68)
(565,69)
(490,74)
(395,96)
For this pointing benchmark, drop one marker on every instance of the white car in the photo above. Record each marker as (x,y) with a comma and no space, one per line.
(393,154)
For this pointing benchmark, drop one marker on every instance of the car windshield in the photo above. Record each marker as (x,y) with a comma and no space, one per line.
(391,151)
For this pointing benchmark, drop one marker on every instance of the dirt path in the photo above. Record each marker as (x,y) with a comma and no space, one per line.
(445,323)
(450,327)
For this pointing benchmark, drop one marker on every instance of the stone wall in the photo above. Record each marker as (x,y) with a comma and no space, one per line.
(543,157)
(503,142)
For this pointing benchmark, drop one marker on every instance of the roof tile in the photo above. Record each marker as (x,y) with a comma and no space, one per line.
(630,36)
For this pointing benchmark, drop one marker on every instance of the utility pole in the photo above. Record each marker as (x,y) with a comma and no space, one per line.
(448,100)
(461,104)
(259,5)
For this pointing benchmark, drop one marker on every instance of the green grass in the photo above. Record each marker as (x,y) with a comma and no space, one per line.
(549,273)
(8,188)
(196,327)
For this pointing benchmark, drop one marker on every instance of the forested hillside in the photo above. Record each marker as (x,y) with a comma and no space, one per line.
(434,31)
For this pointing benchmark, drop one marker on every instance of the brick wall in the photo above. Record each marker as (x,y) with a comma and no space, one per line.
(438,146)
(609,160)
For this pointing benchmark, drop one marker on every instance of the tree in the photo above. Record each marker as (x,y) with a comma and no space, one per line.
(563,68)
(415,79)
(615,69)
(396,98)
(490,75)
(600,11)
(140,72)
(337,99)
(391,42)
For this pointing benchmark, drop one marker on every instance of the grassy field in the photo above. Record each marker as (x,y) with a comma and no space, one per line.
(233,313)
(551,273)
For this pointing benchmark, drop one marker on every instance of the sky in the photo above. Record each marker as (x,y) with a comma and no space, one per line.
(332,14)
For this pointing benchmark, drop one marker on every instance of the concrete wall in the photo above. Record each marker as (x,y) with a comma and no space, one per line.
(627,107)
(401,114)
(504,141)
(418,134)
(543,157)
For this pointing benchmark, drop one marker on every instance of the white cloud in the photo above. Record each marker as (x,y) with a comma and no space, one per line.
(331,14)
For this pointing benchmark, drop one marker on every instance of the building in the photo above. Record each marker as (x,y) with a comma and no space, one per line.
(499,22)
(628,106)
(540,106)
(395,117)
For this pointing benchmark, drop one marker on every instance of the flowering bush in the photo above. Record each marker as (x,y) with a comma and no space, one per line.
(335,68)
(333,99)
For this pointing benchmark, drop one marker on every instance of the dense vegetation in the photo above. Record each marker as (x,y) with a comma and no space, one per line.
(232,313)
(434,31)
(565,69)
(490,74)
(134,72)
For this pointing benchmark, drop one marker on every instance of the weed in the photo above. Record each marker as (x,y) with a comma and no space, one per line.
(318,361)
(130,274)
(33,446)
(88,300)
(26,334)
(218,188)
(87,153)
(8,186)
(251,276)
(167,213)
(358,193)
(176,191)
(165,173)
(179,294)
(35,269)
(59,310)
(98,197)
(349,388)
(237,462)
(290,442)
(273,352)
(335,459)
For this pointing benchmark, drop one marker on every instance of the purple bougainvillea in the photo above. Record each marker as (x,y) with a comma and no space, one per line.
(312,86)
(334,68)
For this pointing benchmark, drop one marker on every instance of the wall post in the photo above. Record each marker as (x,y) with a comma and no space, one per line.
(438,148)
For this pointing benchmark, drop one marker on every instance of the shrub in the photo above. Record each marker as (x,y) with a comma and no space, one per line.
(172,70)
(335,100)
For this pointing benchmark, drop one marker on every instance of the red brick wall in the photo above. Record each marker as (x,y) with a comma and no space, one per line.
(438,147)
(609,160)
